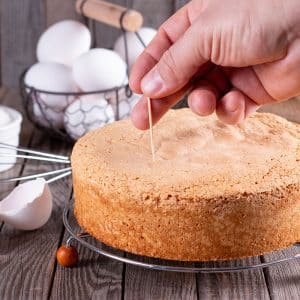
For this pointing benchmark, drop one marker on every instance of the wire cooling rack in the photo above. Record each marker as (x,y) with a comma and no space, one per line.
(91,243)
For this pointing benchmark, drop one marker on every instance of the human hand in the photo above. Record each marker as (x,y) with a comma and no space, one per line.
(230,56)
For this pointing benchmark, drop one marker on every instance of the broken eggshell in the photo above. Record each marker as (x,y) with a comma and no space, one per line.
(28,206)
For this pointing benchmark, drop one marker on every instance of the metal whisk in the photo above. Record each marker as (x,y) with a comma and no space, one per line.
(19,152)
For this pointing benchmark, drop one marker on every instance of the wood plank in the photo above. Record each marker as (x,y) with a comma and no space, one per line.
(33,252)
(31,257)
(21,24)
(11,98)
(152,284)
(58,10)
(95,277)
(283,280)
(238,285)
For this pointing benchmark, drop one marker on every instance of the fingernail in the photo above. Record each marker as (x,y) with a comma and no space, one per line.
(152,83)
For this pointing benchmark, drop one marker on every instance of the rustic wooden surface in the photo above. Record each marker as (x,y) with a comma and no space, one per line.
(28,269)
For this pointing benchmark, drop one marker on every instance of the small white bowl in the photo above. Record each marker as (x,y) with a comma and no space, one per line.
(9,134)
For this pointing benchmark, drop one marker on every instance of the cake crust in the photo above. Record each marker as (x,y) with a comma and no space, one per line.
(214,191)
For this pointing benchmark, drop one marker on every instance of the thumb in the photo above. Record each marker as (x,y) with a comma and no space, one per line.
(177,65)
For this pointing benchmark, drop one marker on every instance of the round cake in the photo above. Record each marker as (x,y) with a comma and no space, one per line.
(213,192)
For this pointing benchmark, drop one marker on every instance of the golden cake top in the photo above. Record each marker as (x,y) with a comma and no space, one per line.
(195,156)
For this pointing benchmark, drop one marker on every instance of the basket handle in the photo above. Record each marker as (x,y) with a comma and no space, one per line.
(111,14)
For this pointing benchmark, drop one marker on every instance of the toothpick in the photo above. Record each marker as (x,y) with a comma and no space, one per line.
(151,128)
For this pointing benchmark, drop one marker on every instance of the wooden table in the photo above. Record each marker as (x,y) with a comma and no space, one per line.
(28,269)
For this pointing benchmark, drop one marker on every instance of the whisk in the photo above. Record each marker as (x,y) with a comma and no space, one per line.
(28,154)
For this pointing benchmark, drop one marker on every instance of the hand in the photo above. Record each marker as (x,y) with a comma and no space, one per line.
(231,56)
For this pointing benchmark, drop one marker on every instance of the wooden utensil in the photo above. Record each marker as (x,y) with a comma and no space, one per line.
(111,14)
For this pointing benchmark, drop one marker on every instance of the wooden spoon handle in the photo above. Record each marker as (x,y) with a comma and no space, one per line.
(111,14)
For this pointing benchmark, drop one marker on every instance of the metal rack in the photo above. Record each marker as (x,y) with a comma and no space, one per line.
(86,240)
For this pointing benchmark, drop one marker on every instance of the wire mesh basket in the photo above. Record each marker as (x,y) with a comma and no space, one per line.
(70,115)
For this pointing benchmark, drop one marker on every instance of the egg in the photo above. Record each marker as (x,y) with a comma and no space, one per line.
(87,113)
(99,69)
(135,47)
(52,77)
(28,206)
(63,42)
(123,106)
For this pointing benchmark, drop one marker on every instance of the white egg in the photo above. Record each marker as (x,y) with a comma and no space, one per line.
(125,103)
(63,42)
(135,47)
(99,69)
(86,114)
(28,206)
(52,77)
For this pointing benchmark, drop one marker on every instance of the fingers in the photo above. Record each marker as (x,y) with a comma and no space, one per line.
(176,67)
(231,109)
(234,107)
(202,100)
(167,34)
(159,107)
(246,80)
(214,93)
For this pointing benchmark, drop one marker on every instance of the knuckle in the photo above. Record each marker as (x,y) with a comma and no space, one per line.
(168,68)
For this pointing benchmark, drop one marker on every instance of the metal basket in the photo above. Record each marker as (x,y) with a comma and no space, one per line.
(40,112)
(54,121)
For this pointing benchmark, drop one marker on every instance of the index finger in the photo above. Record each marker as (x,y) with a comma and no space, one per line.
(168,33)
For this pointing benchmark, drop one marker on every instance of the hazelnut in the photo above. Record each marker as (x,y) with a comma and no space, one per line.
(67,256)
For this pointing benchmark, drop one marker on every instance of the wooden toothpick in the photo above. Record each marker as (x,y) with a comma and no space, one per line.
(151,128)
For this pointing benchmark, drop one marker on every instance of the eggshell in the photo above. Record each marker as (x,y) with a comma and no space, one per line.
(86,114)
(135,47)
(124,103)
(63,42)
(99,69)
(28,206)
(52,77)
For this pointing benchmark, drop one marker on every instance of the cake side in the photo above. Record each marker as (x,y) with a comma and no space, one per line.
(223,228)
